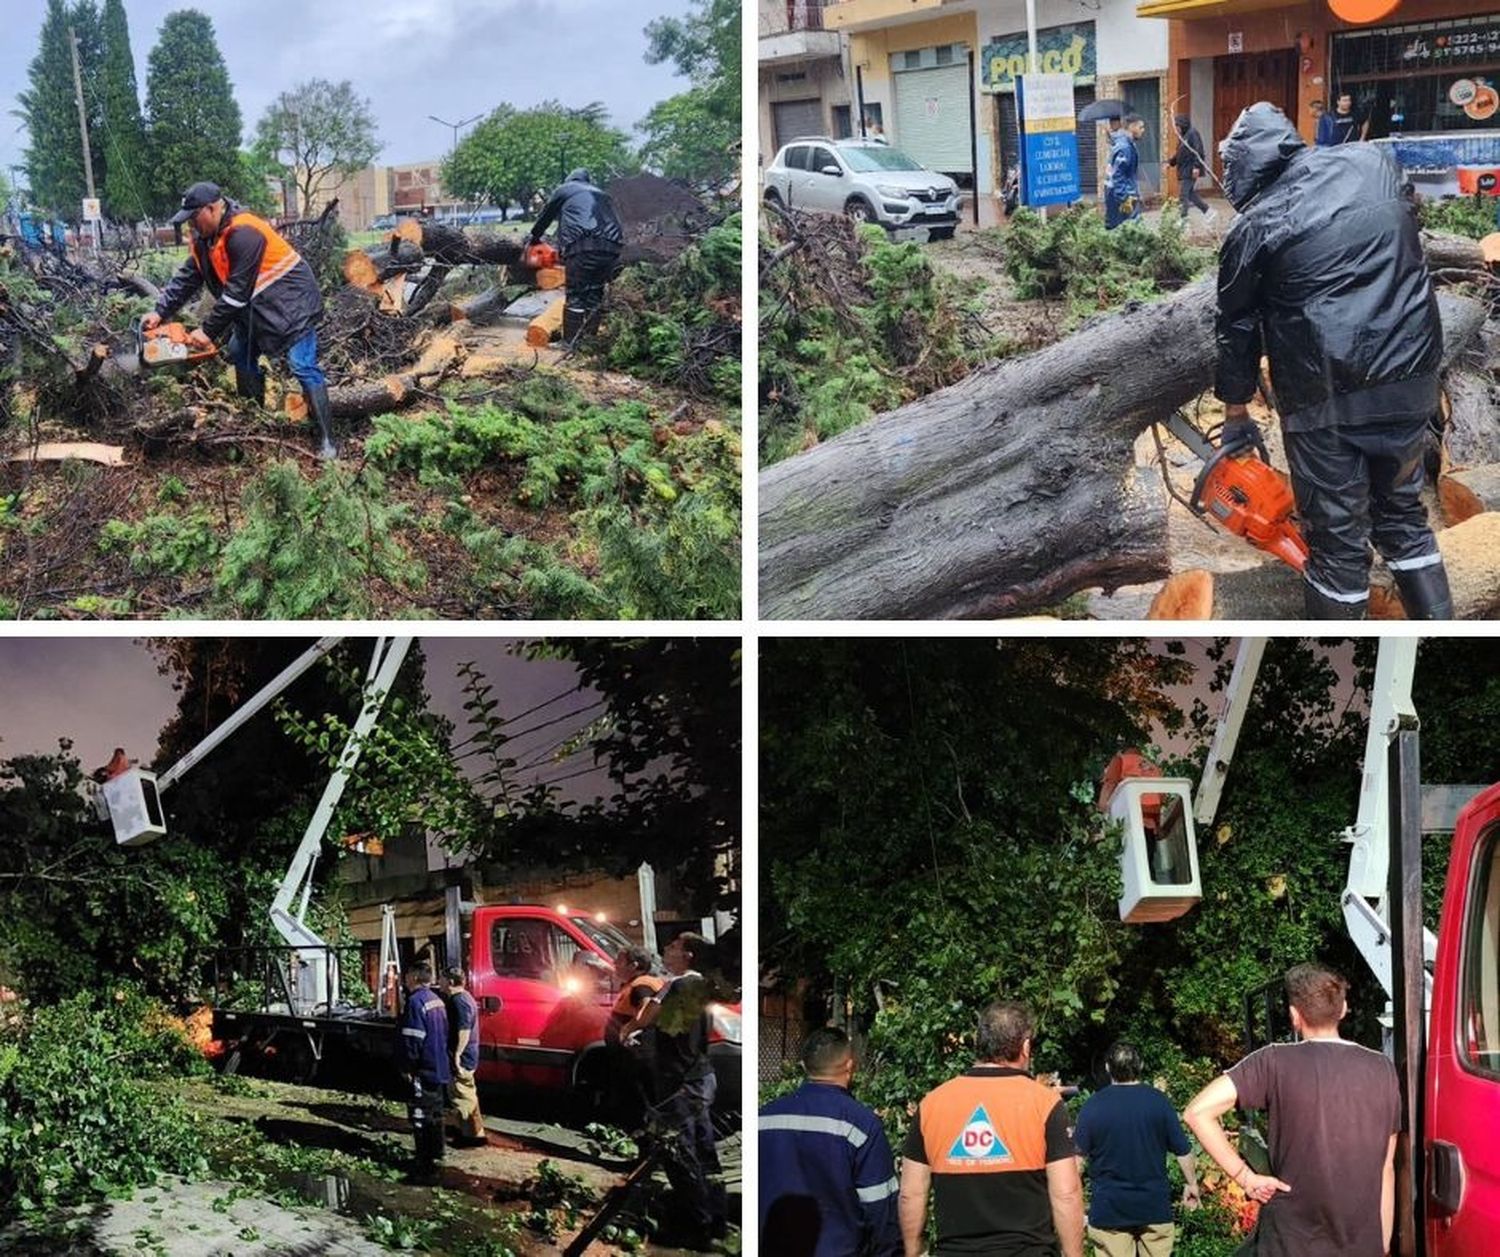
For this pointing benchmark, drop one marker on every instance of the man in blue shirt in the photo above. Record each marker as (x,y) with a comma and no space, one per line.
(1125,1131)
(1343,126)
(464,1029)
(1122,190)
(828,1185)
(429,1067)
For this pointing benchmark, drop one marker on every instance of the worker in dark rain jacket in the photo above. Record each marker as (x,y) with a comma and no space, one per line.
(589,240)
(267,299)
(1324,268)
(429,1069)
(1122,190)
(828,1181)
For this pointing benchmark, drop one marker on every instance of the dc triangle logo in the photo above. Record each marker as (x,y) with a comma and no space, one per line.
(978,1141)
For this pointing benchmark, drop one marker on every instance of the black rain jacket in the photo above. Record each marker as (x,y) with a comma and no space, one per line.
(1324,265)
(586,220)
(276,319)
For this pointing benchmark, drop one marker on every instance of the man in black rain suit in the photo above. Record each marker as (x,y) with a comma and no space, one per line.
(1324,267)
(589,240)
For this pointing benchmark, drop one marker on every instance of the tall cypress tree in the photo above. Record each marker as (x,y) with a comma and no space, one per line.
(54,158)
(127,182)
(193,120)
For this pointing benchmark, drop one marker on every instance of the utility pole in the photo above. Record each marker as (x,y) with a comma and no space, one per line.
(83,131)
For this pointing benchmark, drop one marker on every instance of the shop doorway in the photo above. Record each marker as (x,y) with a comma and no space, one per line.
(1243,79)
(1143,97)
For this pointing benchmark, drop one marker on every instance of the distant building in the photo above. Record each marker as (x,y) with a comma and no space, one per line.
(375,191)
(802,86)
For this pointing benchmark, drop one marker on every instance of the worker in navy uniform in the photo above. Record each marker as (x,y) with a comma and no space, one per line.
(684,1086)
(589,240)
(267,299)
(827,1178)
(463,1019)
(429,1067)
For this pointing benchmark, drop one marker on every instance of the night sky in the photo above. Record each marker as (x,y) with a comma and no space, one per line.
(106,692)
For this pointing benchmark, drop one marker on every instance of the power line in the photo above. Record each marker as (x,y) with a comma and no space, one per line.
(505,720)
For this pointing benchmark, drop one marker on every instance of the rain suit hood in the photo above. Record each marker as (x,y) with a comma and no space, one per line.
(1258,149)
(581,175)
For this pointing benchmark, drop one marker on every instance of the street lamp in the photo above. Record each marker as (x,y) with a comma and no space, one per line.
(455,125)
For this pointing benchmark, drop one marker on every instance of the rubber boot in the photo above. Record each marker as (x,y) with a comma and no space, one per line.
(573,321)
(1320,607)
(322,411)
(1424,592)
(250,384)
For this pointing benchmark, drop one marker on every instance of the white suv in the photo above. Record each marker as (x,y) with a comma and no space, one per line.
(865,179)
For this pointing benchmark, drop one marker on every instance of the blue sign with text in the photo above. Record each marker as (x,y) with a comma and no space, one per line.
(1049,140)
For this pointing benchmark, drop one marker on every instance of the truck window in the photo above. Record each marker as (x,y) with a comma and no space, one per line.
(1479,1027)
(532,949)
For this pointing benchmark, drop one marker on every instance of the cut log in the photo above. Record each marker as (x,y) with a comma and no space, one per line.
(1471,553)
(1469,491)
(1471,436)
(360,270)
(393,295)
(1446,252)
(546,326)
(490,302)
(408,229)
(373,397)
(1185,596)
(550,278)
(455,247)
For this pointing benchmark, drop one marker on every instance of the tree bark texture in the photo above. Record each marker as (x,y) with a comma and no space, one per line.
(1006,492)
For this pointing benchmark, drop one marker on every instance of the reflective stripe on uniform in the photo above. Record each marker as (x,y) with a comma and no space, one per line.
(282,268)
(872,1195)
(816,1125)
(230,301)
(1363,596)
(1411,565)
(414,1032)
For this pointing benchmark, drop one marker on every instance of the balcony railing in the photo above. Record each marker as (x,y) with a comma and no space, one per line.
(778,17)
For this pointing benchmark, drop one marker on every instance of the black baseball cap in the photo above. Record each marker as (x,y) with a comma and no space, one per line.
(194,199)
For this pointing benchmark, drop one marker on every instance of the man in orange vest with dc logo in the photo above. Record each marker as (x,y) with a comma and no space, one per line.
(266,298)
(993,1147)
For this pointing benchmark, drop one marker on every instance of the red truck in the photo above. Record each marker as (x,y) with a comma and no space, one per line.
(545,983)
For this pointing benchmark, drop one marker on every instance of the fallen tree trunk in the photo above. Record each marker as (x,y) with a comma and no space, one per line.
(1471,436)
(454,246)
(1004,493)
(490,302)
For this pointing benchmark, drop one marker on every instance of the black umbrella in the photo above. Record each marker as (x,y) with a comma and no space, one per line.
(1102,110)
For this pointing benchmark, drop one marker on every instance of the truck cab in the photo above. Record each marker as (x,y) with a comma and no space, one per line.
(1462,1101)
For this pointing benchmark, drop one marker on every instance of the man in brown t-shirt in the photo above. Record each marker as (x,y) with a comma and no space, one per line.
(1335,1108)
(993,1146)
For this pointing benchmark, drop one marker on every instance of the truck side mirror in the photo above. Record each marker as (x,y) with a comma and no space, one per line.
(1159,851)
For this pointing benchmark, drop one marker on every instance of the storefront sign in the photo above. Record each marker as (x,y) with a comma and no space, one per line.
(1476,42)
(1049,142)
(1059,50)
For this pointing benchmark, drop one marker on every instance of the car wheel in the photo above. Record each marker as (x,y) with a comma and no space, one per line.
(860,211)
(772,197)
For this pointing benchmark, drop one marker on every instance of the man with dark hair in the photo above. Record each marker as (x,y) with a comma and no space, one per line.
(1342,126)
(1323,272)
(1122,189)
(684,1085)
(1335,1108)
(266,298)
(993,1147)
(1125,1132)
(827,1179)
(589,240)
(429,1069)
(631,1072)
(464,1017)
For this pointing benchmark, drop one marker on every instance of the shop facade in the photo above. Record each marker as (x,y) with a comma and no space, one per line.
(802,89)
(1427,78)
(939,77)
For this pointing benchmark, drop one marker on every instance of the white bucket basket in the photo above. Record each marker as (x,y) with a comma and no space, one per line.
(134,808)
(1159,856)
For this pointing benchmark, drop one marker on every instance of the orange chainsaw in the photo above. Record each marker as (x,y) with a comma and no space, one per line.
(165,346)
(540,255)
(1239,490)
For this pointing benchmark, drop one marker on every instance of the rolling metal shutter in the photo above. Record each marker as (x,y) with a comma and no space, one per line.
(932,117)
(796,118)
(1088,140)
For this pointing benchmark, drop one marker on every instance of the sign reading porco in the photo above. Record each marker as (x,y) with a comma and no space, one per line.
(1049,140)
(1065,50)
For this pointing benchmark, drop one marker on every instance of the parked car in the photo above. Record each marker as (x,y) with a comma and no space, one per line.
(384,223)
(869,181)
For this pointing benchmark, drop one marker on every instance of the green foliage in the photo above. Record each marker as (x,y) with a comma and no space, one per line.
(127,181)
(662,520)
(557,1196)
(49,109)
(694,135)
(1472,216)
(514,155)
(681,322)
(1072,255)
(835,352)
(76,1123)
(324,131)
(164,544)
(192,118)
(312,549)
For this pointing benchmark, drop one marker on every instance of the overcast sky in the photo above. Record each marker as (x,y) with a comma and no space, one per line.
(106,692)
(411,58)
